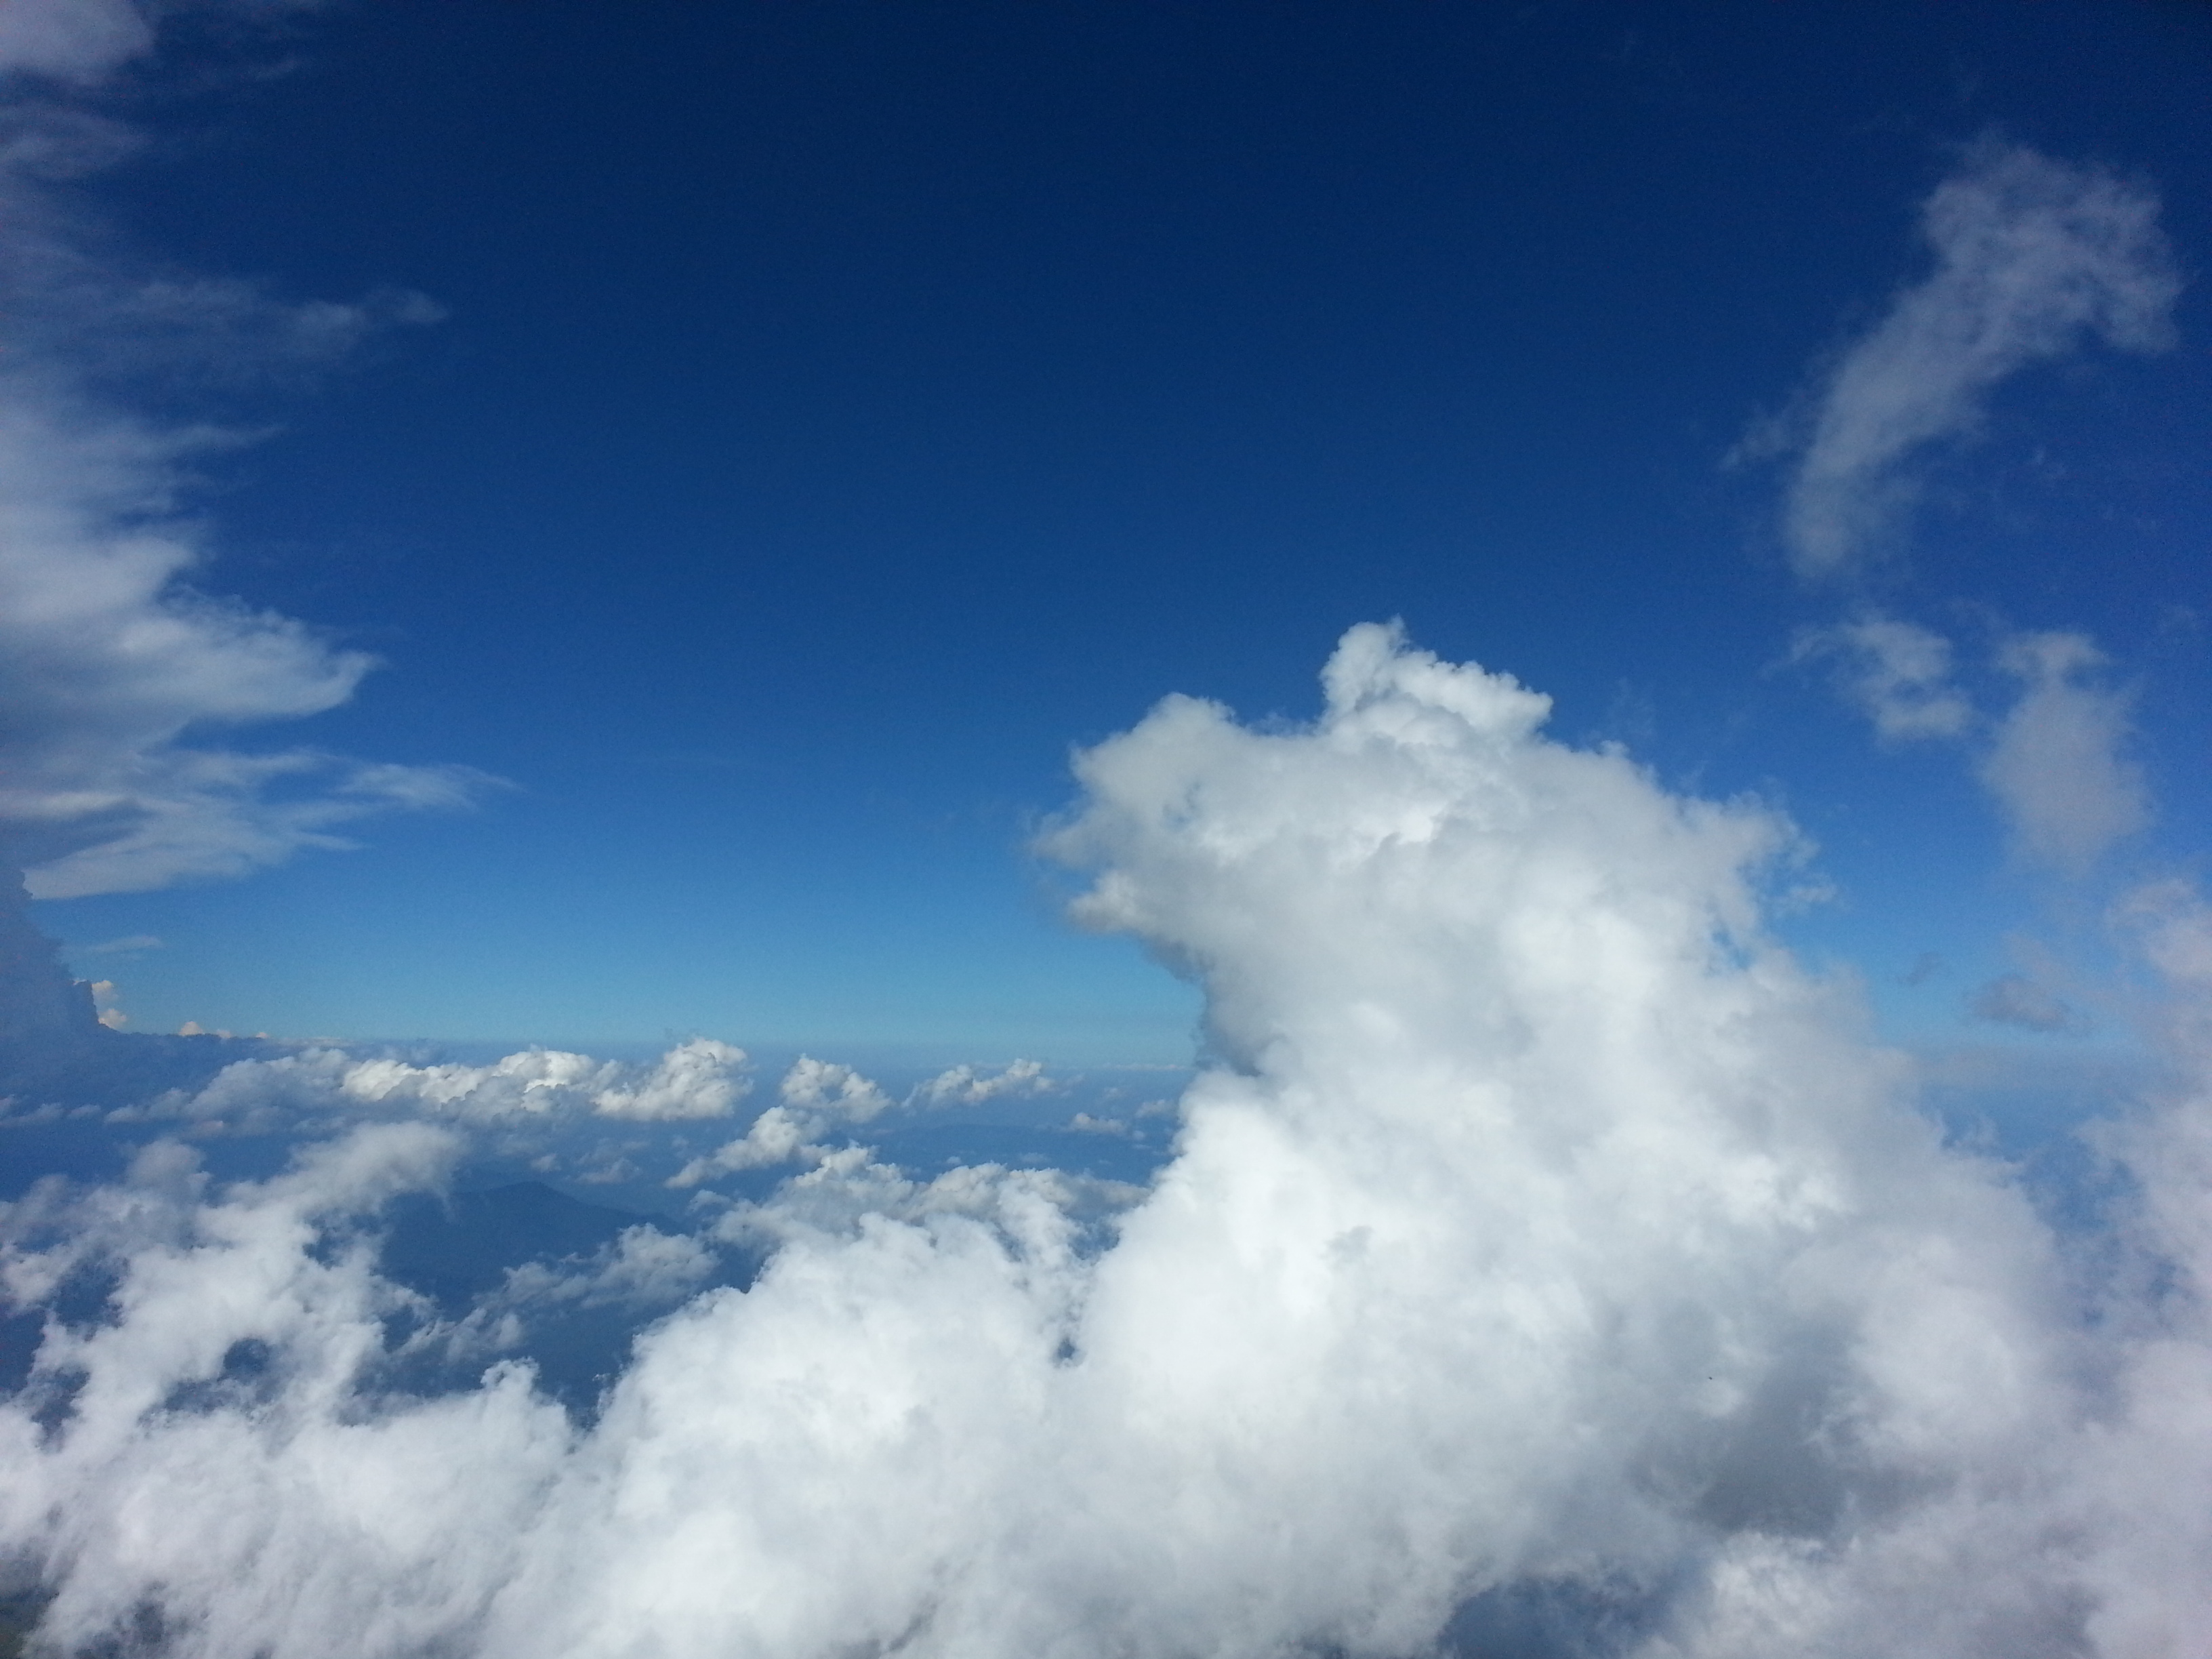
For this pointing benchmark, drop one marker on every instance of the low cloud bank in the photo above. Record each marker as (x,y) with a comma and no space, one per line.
(1542,1237)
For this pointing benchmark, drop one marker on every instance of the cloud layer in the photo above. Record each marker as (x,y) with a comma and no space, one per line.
(1541,1230)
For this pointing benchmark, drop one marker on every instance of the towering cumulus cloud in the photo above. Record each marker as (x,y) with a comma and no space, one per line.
(1540,1238)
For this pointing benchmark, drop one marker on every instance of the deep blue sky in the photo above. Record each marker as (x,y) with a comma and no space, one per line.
(843,409)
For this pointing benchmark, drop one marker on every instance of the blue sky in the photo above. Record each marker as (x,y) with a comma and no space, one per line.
(816,420)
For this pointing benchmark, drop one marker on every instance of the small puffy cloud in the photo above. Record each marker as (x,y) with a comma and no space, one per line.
(815,1098)
(2034,257)
(107,1001)
(2016,999)
(837,1090)
(1898,673)
(965,1085)
(2176,925)
(2057,762)
(698,1078)
(2059,767)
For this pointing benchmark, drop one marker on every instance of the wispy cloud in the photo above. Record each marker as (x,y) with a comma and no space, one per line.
(2060,767)
(82,42)
(131,945)
(2034,257)
(2016,999)
(1898,673)
(2056,762)
(117,671)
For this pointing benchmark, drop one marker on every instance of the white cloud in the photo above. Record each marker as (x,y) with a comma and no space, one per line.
(1898,673)
(698,1078)
(965,1085)
(838,1090)
(114,669)
(2034,257)
(1540,1224)
(119,674)
(84,41)
(645,1271)
(108,1001)
(72,39)
(2056,762)
(817,1097)
(2059,768)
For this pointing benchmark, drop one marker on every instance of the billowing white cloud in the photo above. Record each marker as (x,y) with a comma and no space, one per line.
(701,1078)
(819,1086)
(2034,257)
(2059,767)
(1897,674)
(118,673)
(1540,1226)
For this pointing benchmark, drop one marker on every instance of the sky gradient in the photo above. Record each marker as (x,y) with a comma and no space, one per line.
(766,439)
(1067,831)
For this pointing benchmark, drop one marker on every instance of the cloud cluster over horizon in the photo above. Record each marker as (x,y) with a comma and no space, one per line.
(1541,1229)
